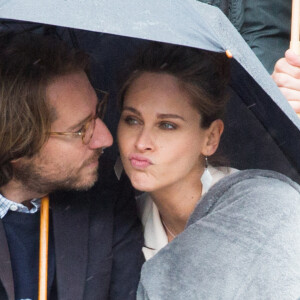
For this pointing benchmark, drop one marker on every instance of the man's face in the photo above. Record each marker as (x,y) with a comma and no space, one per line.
(64,162)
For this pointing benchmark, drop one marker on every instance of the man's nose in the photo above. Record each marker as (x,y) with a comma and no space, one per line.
(101,136)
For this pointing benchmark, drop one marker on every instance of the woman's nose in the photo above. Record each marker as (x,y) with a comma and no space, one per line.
(101,136)
(144,141)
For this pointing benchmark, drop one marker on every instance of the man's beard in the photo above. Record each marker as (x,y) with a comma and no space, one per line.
(35,177)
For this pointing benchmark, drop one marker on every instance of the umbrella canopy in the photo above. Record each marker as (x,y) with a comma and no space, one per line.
(262,131)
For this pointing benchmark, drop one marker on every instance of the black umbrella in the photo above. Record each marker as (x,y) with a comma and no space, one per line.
(262,131)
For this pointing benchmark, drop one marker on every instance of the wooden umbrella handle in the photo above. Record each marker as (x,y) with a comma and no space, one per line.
(295,27)
(43,259)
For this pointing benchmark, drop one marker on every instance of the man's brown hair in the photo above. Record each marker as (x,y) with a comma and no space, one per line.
(28,63)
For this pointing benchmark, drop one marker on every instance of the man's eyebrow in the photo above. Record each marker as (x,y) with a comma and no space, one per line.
(79,124)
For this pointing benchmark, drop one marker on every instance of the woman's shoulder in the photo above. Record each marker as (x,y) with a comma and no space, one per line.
(245,231)
(219,173)
(249,190)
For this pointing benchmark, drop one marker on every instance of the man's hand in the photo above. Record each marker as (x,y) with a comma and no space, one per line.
(286,75)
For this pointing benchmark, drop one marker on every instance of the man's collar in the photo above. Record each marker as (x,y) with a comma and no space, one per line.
(7,205)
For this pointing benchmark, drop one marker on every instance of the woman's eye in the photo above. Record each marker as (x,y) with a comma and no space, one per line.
(131,121)
(167,126)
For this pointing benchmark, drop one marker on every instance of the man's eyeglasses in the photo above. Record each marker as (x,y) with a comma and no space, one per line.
(87,130)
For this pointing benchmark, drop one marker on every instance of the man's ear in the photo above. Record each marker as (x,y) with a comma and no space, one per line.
(213,136)
(20,159)
(13,161)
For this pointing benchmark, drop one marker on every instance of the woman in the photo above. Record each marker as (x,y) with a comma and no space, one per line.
(172,106)
(241,240)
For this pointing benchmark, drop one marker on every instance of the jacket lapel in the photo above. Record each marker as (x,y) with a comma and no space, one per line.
(6,275)
(70,212)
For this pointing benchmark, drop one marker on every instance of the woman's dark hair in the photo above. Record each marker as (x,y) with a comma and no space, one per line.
(202,74)
(28,63)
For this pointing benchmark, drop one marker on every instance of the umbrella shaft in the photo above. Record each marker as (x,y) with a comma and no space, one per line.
(43,260)
(294,45)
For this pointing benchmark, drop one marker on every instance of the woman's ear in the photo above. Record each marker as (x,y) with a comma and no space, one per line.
(213,136)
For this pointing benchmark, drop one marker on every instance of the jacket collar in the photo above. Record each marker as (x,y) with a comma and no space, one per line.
(70,212)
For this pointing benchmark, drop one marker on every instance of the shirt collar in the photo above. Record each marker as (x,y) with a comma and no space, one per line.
(6,205)
(155,237)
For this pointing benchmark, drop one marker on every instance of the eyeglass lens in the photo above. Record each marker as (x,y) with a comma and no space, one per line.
(90,126)
(102,104)
(89,130)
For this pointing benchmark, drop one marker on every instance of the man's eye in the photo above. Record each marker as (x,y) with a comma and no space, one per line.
(131,121)
(167,126)
(81,130)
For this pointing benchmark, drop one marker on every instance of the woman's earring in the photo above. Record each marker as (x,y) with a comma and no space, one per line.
(206,178)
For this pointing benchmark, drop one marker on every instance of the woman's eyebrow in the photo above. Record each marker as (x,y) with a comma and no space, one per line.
(132,110)
(169,116)
(159,116)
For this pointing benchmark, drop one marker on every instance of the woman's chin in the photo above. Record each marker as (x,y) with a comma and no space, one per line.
(142,185)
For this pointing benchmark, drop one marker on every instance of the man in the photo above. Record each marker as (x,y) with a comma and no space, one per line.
(51,137)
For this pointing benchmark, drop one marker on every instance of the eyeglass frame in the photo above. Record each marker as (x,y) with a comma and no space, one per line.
(100,113)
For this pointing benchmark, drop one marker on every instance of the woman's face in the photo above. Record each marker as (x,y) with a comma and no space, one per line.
(159,135)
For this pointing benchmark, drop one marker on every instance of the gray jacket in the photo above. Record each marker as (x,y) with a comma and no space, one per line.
(241,242)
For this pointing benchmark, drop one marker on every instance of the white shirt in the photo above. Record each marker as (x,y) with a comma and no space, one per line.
(154,233)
